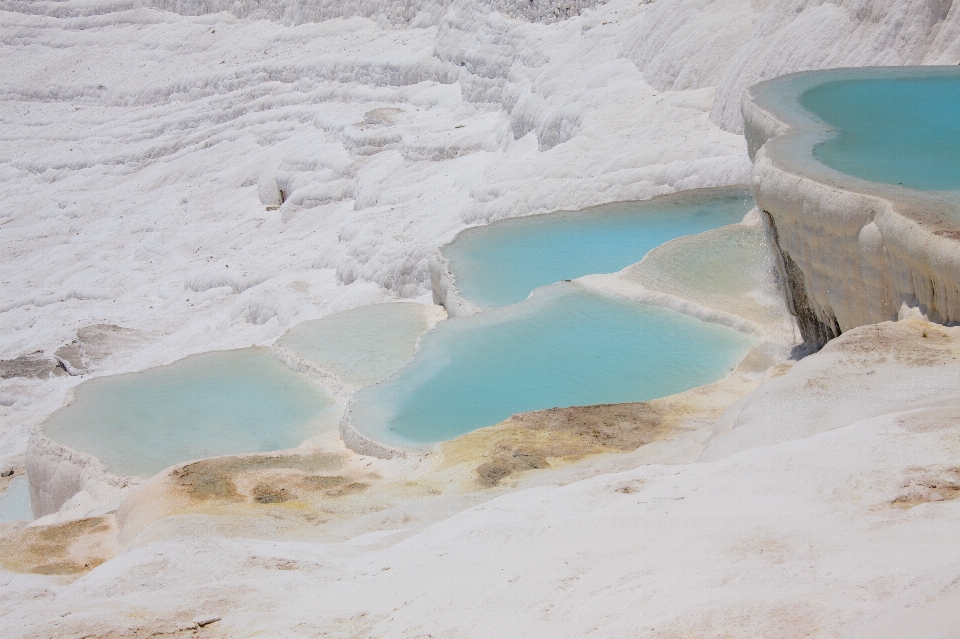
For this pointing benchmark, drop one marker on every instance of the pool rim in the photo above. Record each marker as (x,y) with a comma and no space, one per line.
(791,134)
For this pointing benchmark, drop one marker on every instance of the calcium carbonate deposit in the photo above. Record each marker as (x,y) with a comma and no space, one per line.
(181,177)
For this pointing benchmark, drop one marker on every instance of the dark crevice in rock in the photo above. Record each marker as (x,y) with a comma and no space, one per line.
(815,330)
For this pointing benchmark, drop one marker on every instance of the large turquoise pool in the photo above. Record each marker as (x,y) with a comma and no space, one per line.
(503,262)
(563,347)
(218,403)
(897,130)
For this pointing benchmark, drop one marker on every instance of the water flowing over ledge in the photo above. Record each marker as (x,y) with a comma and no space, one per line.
(851,252)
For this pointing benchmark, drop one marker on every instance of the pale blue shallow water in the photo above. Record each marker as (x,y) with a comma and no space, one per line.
(15,501)
(563,347)
(361,346)
(501,263)
(219,403)
(899,130)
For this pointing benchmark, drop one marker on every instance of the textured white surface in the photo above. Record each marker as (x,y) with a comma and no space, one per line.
(138,144)
(732,44)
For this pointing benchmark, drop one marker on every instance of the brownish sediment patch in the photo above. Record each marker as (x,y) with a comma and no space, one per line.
(260,478)
(147,632)
(291,489)
(928,485)
(932,419)
(14,472)
(546,438)
(265,479)
(69,548)
(35,365)
(529,440)
(135,624)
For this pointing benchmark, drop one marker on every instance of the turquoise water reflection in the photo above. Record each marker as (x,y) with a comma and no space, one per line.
(502,263)
(564,347)
(896,130)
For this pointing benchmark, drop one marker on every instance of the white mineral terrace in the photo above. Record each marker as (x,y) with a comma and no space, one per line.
(181,177)
(866,251)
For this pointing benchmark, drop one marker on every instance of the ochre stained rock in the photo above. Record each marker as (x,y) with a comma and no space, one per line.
(68,548)
(529,440)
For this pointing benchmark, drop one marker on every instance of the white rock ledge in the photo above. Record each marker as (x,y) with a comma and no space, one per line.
(363,445)
(59,474)
(851,252)
(445,291)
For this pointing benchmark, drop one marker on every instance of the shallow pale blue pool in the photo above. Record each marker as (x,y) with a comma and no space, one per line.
(15,501)
(219,403)
(361,346)
(563,347)
(502,263)
(896,130)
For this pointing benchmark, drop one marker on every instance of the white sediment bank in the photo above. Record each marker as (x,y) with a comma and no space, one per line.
(444,286)
(67,481)
(852,252)
(723,283)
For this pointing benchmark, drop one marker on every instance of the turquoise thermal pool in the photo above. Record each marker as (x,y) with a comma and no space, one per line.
(502,263)
(217,403)
(563,347)
(902,130)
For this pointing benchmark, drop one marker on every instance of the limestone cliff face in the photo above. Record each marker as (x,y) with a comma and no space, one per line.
(850,252)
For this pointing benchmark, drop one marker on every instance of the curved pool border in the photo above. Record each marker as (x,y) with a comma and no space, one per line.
(368,444)
(850,252)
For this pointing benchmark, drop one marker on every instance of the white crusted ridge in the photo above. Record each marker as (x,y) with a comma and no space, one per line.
(445,291)
(67,480)
(733,44)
